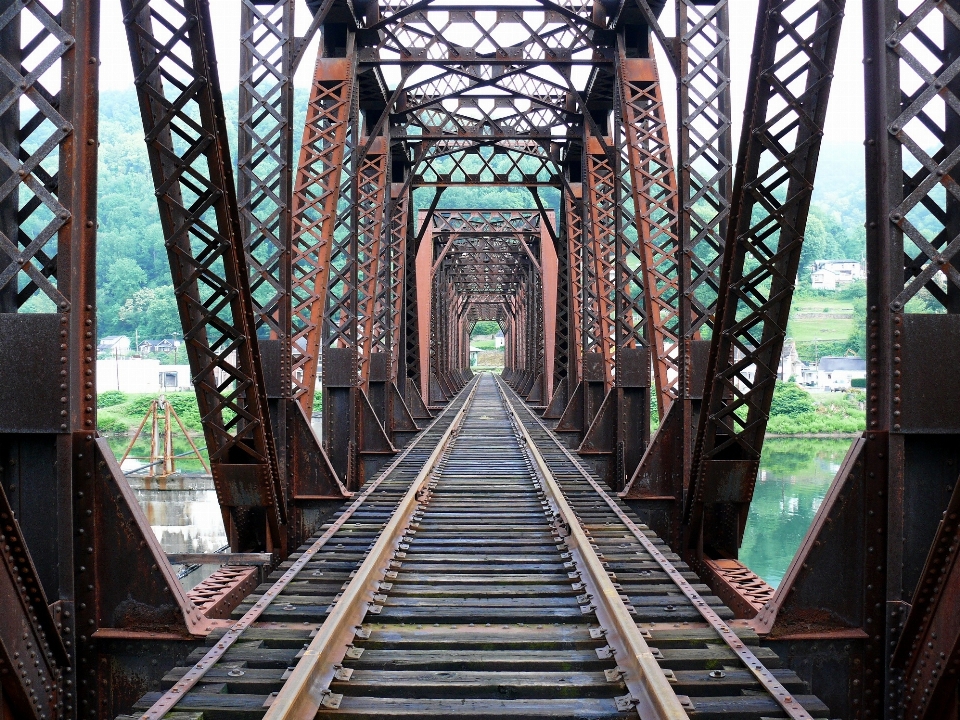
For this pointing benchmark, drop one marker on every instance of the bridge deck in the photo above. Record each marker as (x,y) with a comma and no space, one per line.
(480,603)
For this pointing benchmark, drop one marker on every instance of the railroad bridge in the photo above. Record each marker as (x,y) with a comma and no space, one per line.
(460,545)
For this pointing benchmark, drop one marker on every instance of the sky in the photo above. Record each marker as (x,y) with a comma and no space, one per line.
(845,113)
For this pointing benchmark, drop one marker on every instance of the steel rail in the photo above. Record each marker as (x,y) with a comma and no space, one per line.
(308,686)
(783,697)
(652,695)
(170,698)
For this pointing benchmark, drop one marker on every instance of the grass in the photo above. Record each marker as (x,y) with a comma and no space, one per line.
(810,329)
(819,305)
(807,330)
(833,413)
(121,412)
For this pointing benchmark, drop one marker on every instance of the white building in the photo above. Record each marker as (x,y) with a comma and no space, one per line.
(790,364)
(831,274)
(835,373)
(498,341)
(142,376)
(115,345)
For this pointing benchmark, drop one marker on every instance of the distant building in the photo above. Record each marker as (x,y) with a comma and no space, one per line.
(158,346)
(790,364)
(498,341)
(835,373)
(832,274)
(474,355)
(116,345)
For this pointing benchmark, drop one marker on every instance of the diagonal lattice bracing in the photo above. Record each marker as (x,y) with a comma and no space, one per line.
(315,202)
(600,254)
(396,270)
(579,291)
(704,156)
(31,142)
(372,194)
(264,167)
(172,51)
(924,136)
(795,49)
(654,185)
(341,302)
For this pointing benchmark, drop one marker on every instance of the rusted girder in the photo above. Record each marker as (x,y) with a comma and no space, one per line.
(265,197)
(200,219)
(791,70)
(877,569)
(704,179)
(319,183)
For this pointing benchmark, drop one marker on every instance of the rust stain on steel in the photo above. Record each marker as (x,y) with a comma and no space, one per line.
(220,593)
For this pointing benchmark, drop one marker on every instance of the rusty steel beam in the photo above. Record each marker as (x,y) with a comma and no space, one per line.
(704,180)
(879,561)
(927,655)
(74,534)
(655,200)
(601,224)
(200,219)
(28,630)
(372,218)
(317,190)
(791,70)
(265,197)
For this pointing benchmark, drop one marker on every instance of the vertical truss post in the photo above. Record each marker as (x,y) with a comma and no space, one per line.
(354,437)
(620,429)
(654,186)
(265,196)
(602,219)
(565,323)
(554,330)
(319,182)
(198,212)
(423,297)
(372,218)
(595,215)
(385,341)
(792,68)
(78,553)
(704,182)
(572,252)
(410,375)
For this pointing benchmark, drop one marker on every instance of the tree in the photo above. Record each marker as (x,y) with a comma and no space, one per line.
(790,400)
(815,242)
(124,278)
(485,327)
(153,311)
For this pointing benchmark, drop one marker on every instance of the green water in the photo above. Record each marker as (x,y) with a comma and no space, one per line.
(795,474)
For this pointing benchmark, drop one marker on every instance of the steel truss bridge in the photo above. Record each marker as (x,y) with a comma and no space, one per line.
(461,545)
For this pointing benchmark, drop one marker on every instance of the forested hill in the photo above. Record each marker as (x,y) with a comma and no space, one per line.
(134,291)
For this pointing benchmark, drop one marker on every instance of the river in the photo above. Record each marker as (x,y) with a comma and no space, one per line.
(794,476)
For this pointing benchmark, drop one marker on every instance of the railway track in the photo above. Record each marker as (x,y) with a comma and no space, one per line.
(485,574)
